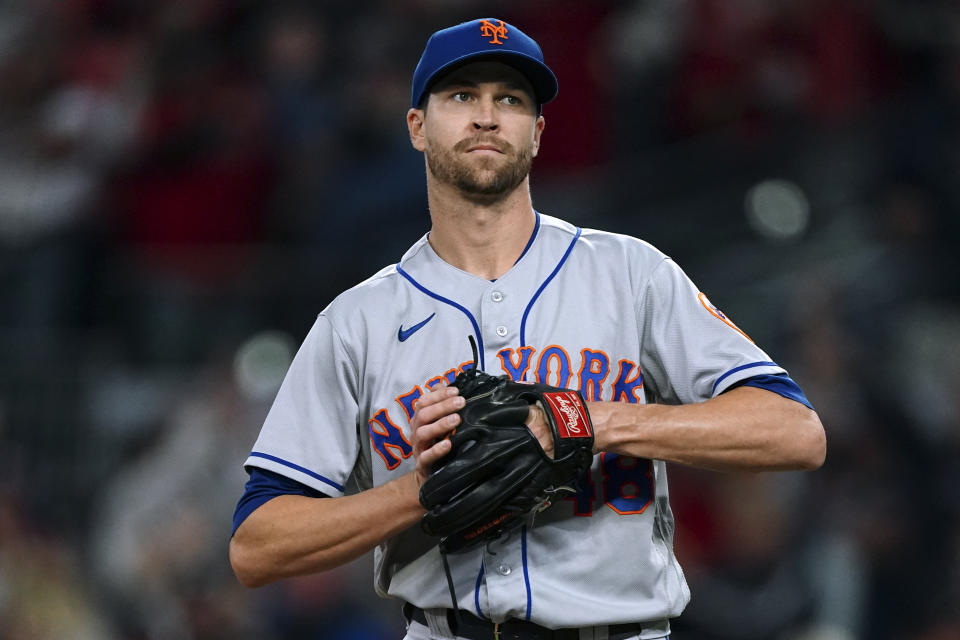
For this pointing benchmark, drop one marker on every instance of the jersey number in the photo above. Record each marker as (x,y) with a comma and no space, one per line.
(627,486)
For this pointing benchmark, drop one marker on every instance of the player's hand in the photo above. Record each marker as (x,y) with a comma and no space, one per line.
(434,418)
(537,423)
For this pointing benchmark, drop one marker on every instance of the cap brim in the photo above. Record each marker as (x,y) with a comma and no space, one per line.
(542,80)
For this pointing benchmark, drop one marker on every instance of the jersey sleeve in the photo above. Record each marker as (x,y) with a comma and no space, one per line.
(310,433)
(782,385)
(263,486)
(691,351)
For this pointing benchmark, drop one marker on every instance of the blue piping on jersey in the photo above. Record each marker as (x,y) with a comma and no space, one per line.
(741,368)
(286,463)
(476,593)
(435,296)
(526,312)
(533,235)
(526,573)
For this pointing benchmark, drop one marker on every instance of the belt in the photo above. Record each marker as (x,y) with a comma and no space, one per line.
(474,628)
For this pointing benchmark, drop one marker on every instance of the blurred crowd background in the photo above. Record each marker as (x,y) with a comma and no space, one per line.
(185,184)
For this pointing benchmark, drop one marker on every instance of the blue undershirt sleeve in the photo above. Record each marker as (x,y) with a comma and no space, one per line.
(264,485)
(780,384)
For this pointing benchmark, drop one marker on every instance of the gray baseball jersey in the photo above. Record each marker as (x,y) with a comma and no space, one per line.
(603,313)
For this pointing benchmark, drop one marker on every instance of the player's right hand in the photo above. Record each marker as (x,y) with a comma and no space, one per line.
(434,418)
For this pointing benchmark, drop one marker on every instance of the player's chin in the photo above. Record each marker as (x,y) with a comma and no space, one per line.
(487,166)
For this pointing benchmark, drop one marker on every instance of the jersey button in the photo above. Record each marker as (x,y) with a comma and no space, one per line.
(501,331)
(504,569)
(496,296)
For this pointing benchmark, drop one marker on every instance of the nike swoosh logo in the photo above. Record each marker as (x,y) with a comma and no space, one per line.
(403,334)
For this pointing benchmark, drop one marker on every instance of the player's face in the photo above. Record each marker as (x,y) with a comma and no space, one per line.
(480,130)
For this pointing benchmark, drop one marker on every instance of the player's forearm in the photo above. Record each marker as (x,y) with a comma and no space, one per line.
(296,535)
(744,429)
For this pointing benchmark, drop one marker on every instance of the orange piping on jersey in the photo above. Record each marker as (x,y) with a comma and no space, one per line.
(716,313)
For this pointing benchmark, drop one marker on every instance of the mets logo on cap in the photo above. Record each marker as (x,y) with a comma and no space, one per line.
(495,31)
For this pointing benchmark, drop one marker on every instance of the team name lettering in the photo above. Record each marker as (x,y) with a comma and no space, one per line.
(515,364)
(554,366)
(594,367)
(550,365)
(387,439)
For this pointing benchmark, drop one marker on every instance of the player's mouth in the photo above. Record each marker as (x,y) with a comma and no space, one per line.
(484,147)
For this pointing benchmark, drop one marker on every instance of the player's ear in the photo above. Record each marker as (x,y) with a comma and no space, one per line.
(415,127)
(537,132)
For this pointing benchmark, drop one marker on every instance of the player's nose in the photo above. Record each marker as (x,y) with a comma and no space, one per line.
(485,116)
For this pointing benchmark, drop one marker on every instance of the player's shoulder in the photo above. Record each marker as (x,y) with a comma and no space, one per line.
(362,294)
(598,242)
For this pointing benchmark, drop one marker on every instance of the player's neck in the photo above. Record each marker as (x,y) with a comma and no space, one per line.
(484,239)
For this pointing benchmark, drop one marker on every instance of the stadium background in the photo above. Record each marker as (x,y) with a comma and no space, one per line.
(184,185)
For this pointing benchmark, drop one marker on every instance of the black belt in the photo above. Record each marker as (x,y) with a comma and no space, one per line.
(474,628)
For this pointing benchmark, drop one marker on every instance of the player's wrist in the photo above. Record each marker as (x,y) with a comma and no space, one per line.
(408,491)
(600,417)
(614,425)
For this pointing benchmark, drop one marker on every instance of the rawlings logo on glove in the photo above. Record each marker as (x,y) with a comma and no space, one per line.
(569,405)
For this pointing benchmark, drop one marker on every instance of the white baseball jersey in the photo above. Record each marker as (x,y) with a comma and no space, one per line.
(603,313)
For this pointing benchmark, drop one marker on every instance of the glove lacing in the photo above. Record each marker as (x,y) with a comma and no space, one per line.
(468,376)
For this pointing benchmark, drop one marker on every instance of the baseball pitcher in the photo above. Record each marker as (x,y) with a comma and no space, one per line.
(508,394)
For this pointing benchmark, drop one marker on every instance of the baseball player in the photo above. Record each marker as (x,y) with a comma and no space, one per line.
(665,374)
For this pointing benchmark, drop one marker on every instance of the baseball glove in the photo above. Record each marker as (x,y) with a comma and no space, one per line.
(496,473)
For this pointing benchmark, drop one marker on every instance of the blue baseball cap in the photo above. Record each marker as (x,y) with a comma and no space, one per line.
(488,39)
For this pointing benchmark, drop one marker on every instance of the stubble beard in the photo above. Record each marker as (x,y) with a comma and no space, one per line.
(483,180)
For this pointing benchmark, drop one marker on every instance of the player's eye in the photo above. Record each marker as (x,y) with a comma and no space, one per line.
(460,96)
(513,101)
